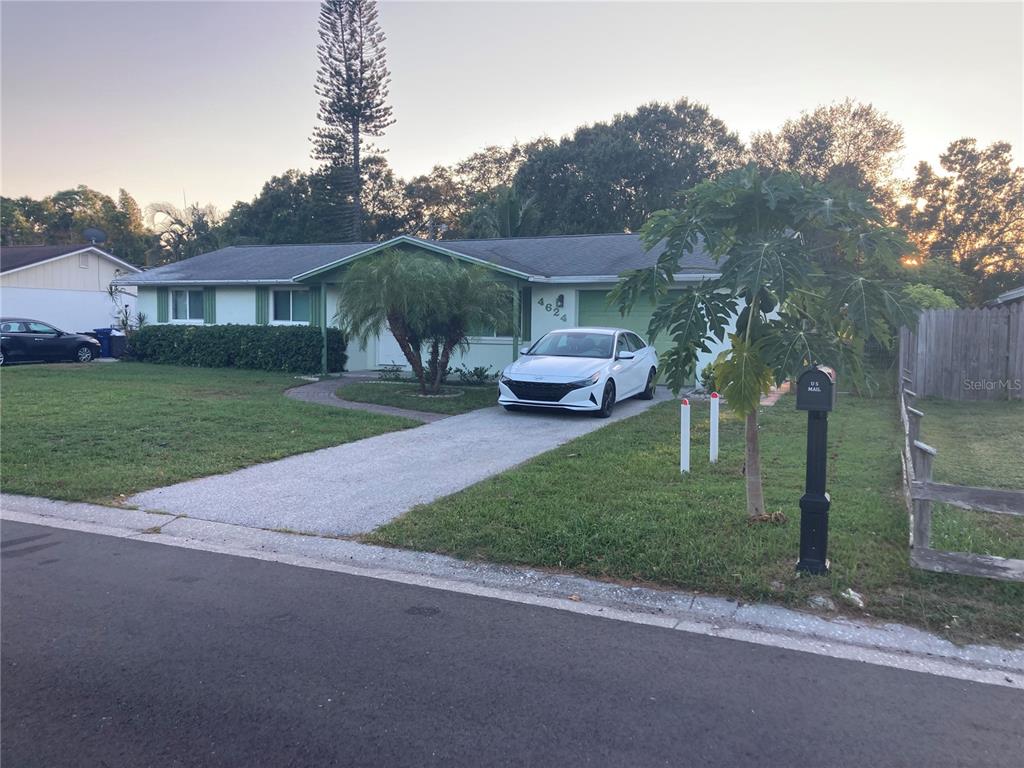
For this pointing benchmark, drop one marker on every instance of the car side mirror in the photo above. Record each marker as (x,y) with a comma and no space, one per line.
(626,355)
(524,350)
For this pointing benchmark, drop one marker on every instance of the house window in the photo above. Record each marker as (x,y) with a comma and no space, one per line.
(187,305)
(83,260)
(506,330)
(291,307)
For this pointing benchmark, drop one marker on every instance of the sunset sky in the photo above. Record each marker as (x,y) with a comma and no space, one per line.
(208,100)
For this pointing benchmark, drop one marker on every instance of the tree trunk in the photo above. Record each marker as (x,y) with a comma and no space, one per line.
(410,349)
(442,366)
(355,231)
(752,469)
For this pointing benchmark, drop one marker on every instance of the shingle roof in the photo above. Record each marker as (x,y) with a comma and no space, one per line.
(250,263)
(552,257)
(18,256)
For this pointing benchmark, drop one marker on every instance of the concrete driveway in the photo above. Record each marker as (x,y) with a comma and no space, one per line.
(353,488)
(356,487)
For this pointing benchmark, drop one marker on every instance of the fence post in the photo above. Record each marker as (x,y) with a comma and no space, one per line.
(921,526)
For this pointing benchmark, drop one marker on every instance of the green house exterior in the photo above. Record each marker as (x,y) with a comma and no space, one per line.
(559,282)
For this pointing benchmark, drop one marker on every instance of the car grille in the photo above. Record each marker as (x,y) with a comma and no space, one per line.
(540,391)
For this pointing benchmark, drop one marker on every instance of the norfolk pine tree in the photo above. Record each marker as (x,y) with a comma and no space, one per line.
(352,83)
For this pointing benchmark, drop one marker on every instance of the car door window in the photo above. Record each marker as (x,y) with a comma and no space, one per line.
(636,342)
(12,328)
(41,328)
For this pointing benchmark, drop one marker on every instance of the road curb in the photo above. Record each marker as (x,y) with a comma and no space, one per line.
(887,644)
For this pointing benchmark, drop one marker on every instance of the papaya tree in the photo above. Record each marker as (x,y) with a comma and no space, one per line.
(807,270)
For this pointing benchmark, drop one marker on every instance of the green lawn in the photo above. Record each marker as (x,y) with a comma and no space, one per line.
(453,398)
(981,444)
(94,432)
(612,505)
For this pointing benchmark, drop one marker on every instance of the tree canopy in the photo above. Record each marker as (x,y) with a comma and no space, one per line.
(970,216)
(846,142)
(610,177)
(61,218)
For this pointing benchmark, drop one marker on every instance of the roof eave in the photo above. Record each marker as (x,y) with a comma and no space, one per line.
(416,242)
(100,251)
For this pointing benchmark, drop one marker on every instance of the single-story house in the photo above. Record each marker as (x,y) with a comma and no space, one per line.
(64,285)
(559,282)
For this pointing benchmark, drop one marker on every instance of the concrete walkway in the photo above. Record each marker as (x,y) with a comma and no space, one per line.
(323,393)
(356,487)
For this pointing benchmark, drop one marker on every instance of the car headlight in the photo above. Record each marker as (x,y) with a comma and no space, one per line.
(504,379)
(589,381)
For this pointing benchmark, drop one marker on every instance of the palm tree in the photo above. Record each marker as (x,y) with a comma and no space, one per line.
(805,268)
(507,214)
(425,301)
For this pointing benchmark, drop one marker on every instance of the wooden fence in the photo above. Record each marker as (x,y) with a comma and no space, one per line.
(966,354)
(920,491)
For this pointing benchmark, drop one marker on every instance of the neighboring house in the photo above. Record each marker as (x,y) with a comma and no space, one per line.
(560,282)
(64,285)
(1012,296)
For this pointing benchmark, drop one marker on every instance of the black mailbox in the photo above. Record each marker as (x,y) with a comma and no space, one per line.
(816,389)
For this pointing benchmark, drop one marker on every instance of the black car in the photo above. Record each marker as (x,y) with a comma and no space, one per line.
(22,339)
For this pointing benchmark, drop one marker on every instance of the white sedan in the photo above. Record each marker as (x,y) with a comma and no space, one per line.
(580,369)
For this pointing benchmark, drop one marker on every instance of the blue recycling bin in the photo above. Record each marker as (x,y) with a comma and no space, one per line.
(103,337)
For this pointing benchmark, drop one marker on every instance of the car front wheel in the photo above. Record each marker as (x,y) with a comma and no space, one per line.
(648,393)
(607,401)
(84,354)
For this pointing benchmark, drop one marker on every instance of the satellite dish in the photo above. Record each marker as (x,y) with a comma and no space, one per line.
(94,235)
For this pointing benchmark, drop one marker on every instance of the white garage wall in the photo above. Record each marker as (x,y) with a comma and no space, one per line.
(68,310)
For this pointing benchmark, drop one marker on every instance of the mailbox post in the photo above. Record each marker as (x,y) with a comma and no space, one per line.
(816,394)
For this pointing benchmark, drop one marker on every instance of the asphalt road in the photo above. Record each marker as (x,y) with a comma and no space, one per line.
(128,653)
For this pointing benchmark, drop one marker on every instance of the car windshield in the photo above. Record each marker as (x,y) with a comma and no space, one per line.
(575,344)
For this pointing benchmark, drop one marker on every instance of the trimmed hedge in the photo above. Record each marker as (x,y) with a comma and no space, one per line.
(291,348)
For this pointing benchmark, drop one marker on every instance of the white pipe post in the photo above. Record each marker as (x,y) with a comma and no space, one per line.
(714,427)
(684,436)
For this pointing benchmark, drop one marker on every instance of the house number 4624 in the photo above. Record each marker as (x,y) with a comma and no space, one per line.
(556,311)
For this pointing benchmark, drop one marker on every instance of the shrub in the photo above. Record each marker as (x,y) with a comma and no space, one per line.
(707,378)
(481,374)
(390,372)
(291,348)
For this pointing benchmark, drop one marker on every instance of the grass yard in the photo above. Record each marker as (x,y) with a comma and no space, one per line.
(981,444)
(94,432)
(453,399)
(612,505)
